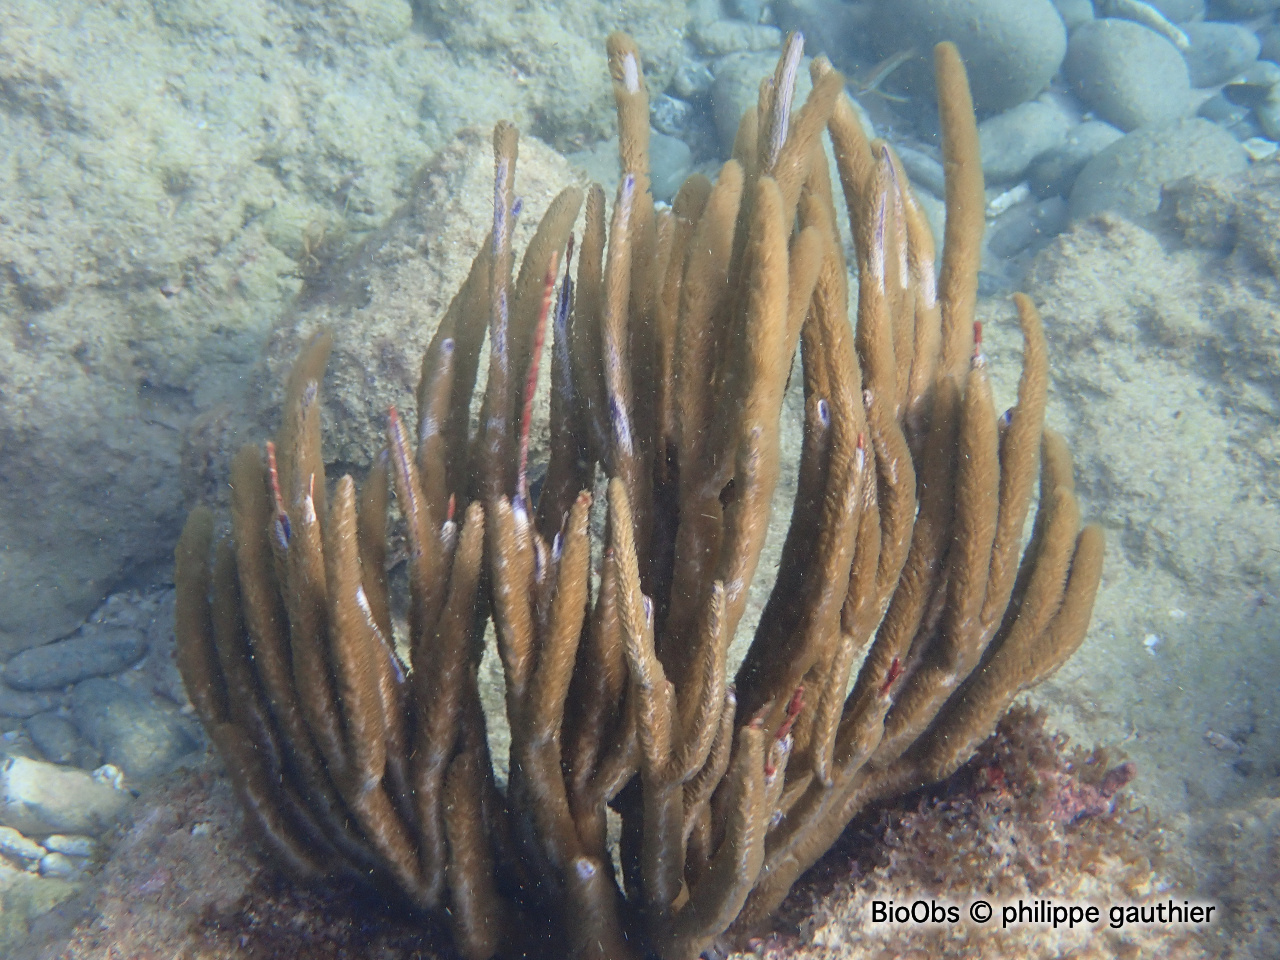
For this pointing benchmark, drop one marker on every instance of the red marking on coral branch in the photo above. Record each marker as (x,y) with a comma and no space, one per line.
(794,707)
(279,518)
(274,476)
(452,506)
(895,671)
(531,381)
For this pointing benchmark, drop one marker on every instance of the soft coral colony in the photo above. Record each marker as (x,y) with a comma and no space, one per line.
(906,616)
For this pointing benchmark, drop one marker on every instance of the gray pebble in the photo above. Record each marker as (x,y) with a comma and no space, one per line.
(1180,11)
(923,170)
(97,651)
(60,741)
(835,27)
(1270,39)
(670,162)
(133,734)
(1056,171)
(722,37)
(21,703)
(1074,12)
(1268,114)
(1218,52)
(1242,9)
(1259,148)
(1130,75)
(1264,73)
(61,866)
(73,845)
(1012,48)
(1127,176)
(40,798)
(1221,110)
(1013,139)
(1027,226)
(752,11)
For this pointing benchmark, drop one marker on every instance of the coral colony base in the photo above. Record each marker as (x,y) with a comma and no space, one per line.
(906,616)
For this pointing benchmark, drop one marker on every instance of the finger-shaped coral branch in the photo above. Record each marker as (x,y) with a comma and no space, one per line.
(906,615)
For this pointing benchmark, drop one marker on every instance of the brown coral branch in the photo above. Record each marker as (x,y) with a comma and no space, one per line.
(906,617)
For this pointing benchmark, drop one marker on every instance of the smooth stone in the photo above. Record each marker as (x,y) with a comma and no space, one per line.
(1268,115)
(1243,9)
(1011,48)
(835,27)
(1221,110)
(22,703)
(1055,173)
(1259,148)
(1179,11)
(1270,39)
(1012,140)
(60,741)
(749,10)
(73,845)
(15,846)
(1074,12)
(39,798)
(1126,177)
(923,170)
(1130,75)
(1027,226)
(61,866)
(722,37)
(670,162)
(1218,52)
(133,734)
(97,651)
(1264,73)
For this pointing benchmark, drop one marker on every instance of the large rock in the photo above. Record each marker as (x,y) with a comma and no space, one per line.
(39,798)
(171,169)
(385,303)
(1056,171)
(133,733)
(1012,48)
(1013,139)
(1130,75)
(1126,177)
